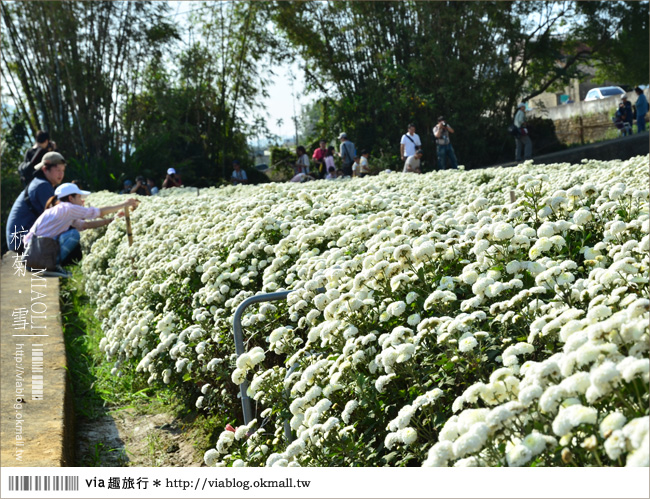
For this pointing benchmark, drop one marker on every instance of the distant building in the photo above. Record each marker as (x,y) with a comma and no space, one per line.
(575,91)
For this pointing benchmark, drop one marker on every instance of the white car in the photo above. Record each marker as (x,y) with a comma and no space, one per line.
(604,93)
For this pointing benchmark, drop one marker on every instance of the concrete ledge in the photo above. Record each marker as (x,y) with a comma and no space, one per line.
(620,148)
(34,432)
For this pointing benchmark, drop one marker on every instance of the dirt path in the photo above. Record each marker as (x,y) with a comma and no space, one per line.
(125,438)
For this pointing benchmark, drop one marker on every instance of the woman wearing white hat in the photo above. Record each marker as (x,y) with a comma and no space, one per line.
(65,215)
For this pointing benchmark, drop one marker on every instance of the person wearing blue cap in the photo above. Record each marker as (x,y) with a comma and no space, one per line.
(126,187)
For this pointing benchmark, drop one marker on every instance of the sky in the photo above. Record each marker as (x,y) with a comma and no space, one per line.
(280,103)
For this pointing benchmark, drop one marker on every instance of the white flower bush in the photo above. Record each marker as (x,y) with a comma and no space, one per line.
(431,320)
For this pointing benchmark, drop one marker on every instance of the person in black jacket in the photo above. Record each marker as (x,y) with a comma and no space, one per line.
(31,202)
(34,156)
(629,114)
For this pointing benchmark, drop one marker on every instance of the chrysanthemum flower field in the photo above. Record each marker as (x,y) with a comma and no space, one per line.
(457,328)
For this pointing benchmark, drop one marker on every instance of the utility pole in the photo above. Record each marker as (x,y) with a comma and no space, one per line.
(295,118)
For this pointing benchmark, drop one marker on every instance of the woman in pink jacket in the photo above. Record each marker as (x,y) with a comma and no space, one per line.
(65,215)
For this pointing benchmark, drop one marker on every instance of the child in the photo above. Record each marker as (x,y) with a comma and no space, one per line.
(364,168)
(331,173)
(329,158)
(356,167)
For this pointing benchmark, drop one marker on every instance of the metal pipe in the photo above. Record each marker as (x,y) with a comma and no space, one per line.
(239,342)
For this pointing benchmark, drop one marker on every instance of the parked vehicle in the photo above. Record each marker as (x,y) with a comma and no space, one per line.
(604,93)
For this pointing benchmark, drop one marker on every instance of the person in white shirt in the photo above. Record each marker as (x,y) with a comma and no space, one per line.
(356,167)
(364,167)
(412,163)
(410,143)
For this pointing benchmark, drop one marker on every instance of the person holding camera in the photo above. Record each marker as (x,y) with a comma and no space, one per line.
(172,179)
(141,188)
(445,150)
(522,140)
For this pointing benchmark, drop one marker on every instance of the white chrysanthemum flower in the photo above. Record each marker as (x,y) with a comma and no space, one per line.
(413,320)
(211,457)
(503,231)
(582,216)
(408,435)
(572,416)
(612,422)
(467,344)
(396,308)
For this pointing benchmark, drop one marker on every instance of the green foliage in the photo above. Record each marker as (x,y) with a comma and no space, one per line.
(469,61)
(627,55)
(282,160)
(121,98)
(542,132)
(14,134)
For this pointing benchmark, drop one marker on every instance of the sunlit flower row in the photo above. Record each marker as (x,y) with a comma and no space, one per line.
(432,320)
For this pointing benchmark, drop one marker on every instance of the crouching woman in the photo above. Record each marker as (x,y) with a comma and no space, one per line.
(65,215)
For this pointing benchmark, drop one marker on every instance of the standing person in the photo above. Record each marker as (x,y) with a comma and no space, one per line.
(65,216)
(410,143)
(319,158)
(329,159)
(412,163)
(34,156)
(445,150)
(522,141)
(238,175)
(31,202)
(364,167)
(641,110)
(302,165)
(172,179)
(347,154)
(629,114)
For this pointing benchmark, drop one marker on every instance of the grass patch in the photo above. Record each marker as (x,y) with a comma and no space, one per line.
(98,391)
(95,389)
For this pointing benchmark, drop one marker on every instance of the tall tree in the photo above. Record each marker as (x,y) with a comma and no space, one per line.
(68,67)
(628,52)
(380,65)
(241,47)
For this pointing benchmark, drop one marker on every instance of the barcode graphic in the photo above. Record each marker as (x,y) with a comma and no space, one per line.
(43,483)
